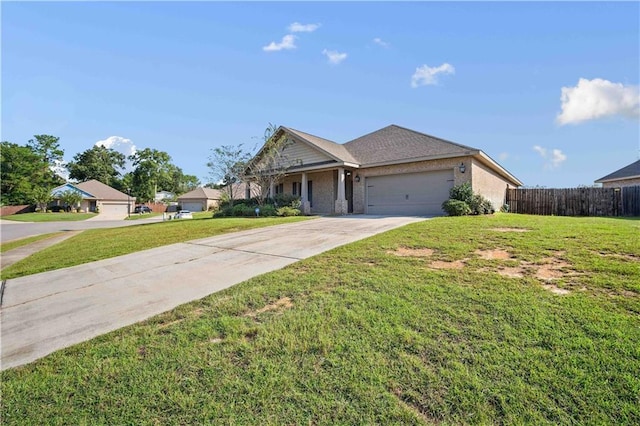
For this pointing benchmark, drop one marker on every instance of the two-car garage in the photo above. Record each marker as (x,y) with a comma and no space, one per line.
(411,194)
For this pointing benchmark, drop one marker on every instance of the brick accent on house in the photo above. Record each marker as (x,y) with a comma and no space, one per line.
(622,182)
(488,184)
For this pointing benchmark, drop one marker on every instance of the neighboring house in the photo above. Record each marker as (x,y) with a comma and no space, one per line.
(163,195)
(626,176)
(202,199)
(97,197)
(392,171)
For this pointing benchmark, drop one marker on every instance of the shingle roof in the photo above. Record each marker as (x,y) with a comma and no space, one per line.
(101,191)
(200,192)
(214,194)
(395,143)
(335,150)
(632,170)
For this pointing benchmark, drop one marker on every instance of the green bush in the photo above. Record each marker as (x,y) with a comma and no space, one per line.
(463,201)
(288,211)
(268,210)
(462,192)
(287,200)
(456,208)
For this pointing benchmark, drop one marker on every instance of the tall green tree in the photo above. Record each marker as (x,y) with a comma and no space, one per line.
(99,163)
(18,165)
(177,182)
(150,174)
(48,149)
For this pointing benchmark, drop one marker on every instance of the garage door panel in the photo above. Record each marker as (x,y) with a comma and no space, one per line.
(193,207)
(408,194)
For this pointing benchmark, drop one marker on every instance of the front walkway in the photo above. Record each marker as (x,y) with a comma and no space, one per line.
(12,256)
(49,311)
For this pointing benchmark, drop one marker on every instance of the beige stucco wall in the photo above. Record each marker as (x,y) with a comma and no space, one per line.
(415,167)
(488,184)
(622,182)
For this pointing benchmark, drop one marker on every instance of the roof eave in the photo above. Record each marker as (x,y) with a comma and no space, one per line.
(498,168)
(417,159)
(603,180)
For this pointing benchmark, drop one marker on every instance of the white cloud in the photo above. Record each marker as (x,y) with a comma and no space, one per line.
(426,75)
(503,156)
(381,42)
(118,143)
(297,27)
(334,56)
(288,42)
(598,98)
(540,150)
(60,168)
(557,158)
(554,160)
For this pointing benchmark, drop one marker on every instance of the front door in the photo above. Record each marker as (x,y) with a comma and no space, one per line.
(348,191)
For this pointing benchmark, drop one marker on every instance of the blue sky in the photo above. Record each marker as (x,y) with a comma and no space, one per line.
(549,90)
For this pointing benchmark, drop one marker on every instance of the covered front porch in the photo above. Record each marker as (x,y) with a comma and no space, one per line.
(328,191)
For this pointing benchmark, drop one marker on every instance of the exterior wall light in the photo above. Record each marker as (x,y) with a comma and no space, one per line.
(462,168)
(357,178)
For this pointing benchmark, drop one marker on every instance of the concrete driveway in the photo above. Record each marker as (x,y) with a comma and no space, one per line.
(49,311)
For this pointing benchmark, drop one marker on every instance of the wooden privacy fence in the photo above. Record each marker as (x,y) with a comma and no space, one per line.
(575,201)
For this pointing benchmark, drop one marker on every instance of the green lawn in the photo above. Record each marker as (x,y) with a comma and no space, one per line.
(447,321)
(49,217)
(97,244)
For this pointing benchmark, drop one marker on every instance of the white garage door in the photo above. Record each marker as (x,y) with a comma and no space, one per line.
(413,194)
(192,207)
(116,210)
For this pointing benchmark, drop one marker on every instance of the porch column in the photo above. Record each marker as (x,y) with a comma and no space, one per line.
(272,189)
(342,206)
(305,204)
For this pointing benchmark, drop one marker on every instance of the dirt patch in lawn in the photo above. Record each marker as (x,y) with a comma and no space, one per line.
(440,264)
(555,289)
(493,254)
(411,252)
(279,305)
(516,272)
(509,229)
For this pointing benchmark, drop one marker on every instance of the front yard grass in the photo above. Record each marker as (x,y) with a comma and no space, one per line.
(49,217)
(470,320)
(98,244)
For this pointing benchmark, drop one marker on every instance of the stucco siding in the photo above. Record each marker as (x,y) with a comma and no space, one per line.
(415,167)
(488,184)
(622,182)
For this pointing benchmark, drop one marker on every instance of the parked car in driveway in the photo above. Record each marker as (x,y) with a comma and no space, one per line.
(183,214)
(142,209)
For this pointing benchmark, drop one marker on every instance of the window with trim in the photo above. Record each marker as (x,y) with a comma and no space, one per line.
(297,189)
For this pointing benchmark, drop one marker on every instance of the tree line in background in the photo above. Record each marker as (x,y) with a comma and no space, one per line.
(27,173)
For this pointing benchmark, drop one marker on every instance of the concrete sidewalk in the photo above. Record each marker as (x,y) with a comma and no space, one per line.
(49,311)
